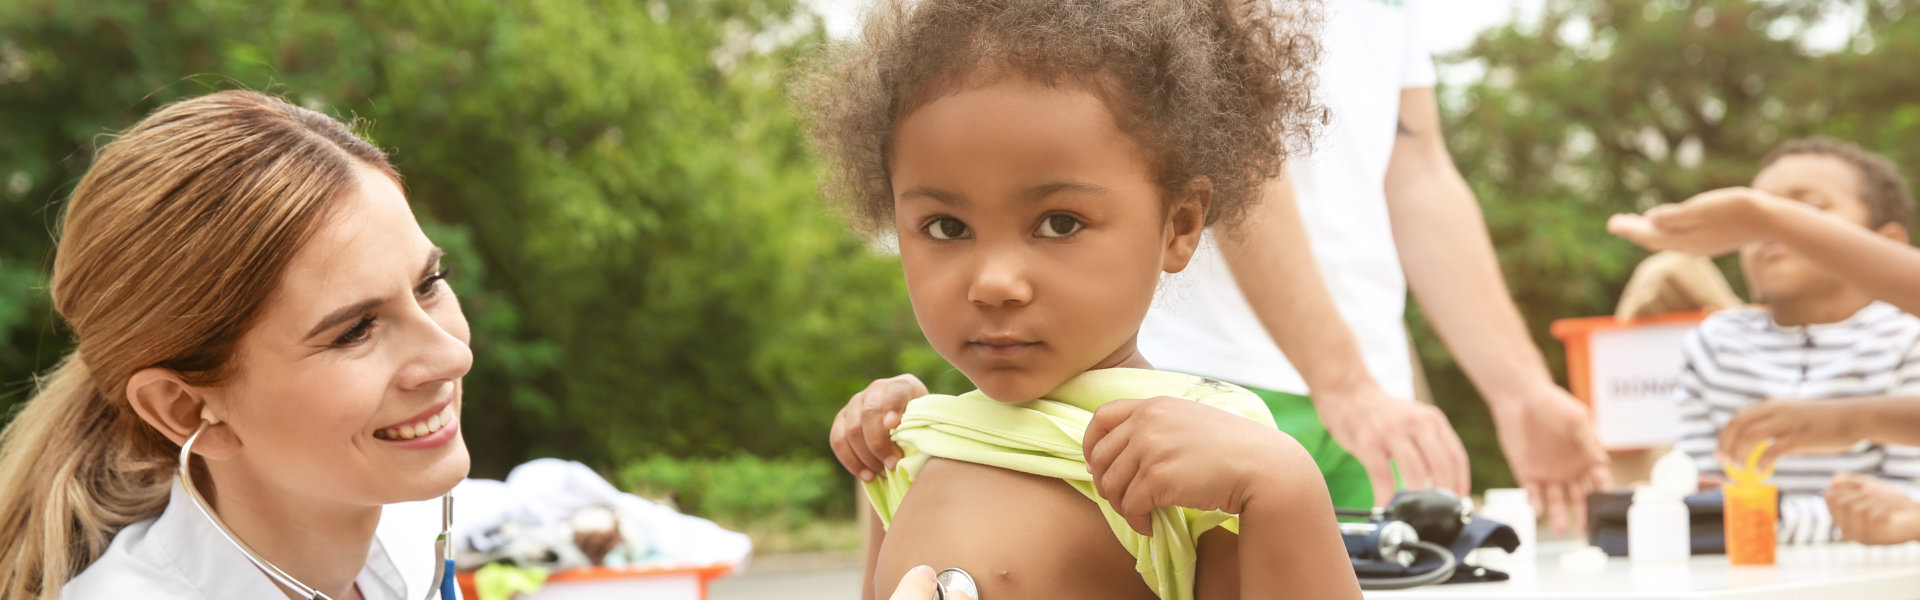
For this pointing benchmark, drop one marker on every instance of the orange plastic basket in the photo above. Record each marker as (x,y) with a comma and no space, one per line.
(702,574)
(1632,366)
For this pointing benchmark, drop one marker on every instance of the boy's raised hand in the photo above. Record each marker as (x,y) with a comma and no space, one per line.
(861,432)
(1154,452)
(1709,224)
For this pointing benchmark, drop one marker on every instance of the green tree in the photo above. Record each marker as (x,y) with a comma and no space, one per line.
(628,205)
(1610,106)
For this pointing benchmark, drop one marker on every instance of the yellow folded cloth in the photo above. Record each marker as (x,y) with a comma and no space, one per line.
(1043,438)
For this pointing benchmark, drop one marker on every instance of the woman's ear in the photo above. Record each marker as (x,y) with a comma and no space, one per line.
(176,409)
(1186,221)
(1893,231)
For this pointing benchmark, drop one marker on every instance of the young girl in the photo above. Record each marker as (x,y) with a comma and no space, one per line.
(1041,163)
(246,273)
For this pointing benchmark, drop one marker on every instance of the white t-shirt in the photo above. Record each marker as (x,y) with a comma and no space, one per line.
(1201,324)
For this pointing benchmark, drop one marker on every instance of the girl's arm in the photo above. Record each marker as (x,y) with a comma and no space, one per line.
(876,533)
(1154,452)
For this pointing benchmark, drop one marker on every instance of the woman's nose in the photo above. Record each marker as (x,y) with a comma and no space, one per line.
(442,354)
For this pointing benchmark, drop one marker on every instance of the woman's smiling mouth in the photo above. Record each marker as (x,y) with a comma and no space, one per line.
(425,425)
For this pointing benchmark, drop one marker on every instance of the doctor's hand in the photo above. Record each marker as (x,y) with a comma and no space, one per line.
(1155,452)
(919,585)
(1550,444)
(861,435)
(1382,432)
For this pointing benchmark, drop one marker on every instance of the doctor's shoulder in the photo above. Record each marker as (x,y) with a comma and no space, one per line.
(128,569)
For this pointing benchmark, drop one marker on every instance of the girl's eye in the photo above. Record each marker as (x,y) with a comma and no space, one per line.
(946,228)
(359,332)
(430,286)
(1058,226)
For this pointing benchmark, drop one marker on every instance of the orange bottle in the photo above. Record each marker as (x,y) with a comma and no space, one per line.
(1752,506)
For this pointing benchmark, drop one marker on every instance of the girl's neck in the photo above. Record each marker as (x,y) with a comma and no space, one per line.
(322,544)
(1126,357)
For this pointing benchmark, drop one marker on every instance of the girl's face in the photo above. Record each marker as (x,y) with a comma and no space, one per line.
(1032,233)
(348,388)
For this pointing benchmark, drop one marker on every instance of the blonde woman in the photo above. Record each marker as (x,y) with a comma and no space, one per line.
(245,273)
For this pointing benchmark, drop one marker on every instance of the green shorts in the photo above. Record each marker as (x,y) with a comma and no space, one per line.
(1346,480)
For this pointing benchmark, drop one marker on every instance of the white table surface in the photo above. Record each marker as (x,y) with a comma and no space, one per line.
(1826,572)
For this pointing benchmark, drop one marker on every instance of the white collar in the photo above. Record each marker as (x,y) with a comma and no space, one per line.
(186,542)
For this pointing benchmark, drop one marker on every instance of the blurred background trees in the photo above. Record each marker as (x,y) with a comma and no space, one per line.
(632,219)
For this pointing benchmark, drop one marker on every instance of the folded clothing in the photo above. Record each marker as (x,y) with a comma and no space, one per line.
(534,515)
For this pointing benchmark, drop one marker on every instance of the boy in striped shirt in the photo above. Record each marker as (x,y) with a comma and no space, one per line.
(1818,338)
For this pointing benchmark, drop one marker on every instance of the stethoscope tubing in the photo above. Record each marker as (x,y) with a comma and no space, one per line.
(443,572)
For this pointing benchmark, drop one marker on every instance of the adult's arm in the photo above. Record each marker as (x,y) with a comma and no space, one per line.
(1453,272)
(1272,261)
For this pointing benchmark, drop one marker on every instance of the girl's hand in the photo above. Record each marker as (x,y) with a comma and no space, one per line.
(861,435)
(1155,452)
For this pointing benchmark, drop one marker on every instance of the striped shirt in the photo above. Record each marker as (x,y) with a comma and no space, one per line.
(1738,358)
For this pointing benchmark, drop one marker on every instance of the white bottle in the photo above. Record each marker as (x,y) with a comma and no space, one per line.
(1658,528)
(1509,507)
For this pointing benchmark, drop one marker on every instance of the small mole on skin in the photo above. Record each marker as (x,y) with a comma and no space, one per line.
(1005,575)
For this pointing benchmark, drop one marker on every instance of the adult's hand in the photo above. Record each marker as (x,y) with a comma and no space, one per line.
(1709,224)
(1674,281)
(1382,431)
(861,435)
(919,585)
(1550,444)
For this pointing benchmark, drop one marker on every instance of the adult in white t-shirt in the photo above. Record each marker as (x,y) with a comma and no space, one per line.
(1385,208)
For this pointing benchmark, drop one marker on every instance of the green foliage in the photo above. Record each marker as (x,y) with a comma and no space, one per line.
(1611,106)
(745,490)
(626,200)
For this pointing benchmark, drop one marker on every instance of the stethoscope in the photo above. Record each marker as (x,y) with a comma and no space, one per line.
(954,580)
(443,579)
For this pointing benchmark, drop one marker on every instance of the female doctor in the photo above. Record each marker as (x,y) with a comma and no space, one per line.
(246,274)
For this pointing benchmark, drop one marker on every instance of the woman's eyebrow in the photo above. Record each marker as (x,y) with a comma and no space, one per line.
(343,315)
(433,260)
(348,312)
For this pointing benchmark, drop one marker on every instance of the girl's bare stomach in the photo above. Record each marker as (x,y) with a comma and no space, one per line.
(1021,536)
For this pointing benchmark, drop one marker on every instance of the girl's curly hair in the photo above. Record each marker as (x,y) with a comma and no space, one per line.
(1221,89)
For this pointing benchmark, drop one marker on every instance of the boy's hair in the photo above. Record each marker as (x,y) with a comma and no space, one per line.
(1221,89)
(1882,189)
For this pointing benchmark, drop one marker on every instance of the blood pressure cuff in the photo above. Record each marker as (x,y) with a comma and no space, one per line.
(1476,534)
(1607,522)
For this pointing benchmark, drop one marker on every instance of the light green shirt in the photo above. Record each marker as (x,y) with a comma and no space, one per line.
(1043,438)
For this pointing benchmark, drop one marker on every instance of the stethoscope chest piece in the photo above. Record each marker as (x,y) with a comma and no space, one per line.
(954,580)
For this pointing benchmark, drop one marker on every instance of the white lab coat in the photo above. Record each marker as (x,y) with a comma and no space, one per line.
(182,555)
